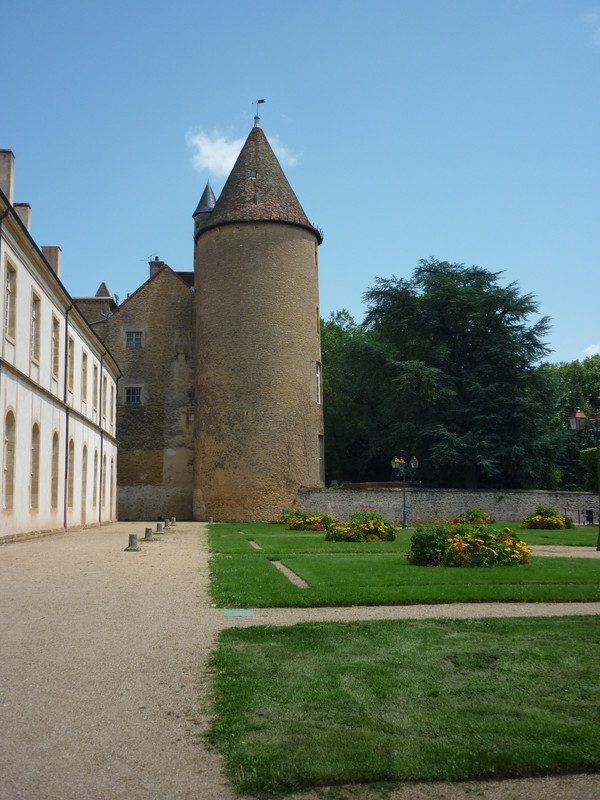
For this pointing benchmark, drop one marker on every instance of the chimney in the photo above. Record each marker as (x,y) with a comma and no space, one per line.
(7,173)
(24,214)
(52,255)
(155,266)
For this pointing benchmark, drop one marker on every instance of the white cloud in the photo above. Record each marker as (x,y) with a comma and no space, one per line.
(214,153)
(284,155)
(592,350)
(592,20)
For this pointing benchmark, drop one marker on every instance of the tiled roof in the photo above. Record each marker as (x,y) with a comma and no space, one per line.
(257,190)
(186,277)
(207,201)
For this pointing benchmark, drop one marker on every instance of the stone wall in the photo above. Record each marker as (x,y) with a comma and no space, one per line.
(258,415)
(156,436)
(504,505)
(154,502)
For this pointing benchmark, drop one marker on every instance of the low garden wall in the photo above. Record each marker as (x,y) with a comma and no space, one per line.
(505,506)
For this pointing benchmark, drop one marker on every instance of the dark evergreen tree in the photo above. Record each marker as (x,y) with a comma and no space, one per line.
(459,367)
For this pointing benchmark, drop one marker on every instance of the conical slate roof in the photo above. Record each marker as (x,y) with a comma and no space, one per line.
(257,190)
(207,201)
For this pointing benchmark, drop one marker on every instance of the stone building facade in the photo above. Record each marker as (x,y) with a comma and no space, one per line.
(220,406)
(57,390)
(152,336)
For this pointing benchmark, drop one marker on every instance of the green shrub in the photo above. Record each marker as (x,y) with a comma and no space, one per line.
(365,525)
(449,544)
(546,518)
(428,543)
(474,516)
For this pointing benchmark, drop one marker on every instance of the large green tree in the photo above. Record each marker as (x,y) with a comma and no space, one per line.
(351,355)
(577,382)
(460,381)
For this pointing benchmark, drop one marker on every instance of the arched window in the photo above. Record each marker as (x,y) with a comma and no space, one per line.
(95,491)
(70,474)
(34,482)
(84,469)
(112,475)
(8,485)
(104,482)
(54,483)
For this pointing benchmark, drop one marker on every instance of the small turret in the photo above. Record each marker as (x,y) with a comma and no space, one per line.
(203,209)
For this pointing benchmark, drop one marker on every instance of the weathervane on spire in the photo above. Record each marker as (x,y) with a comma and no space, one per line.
(256,117)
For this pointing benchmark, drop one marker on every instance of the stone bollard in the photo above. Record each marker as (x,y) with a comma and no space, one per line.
(167,524)
(159,527)
(210,519)
(133,544)
(148,535)
(173,522)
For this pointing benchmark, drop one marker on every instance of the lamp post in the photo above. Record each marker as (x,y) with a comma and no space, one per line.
(578,420)
(399,466)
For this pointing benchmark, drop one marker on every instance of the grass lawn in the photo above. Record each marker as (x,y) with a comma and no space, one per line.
(346,574)
(571,537)
(326,703)
(234,537)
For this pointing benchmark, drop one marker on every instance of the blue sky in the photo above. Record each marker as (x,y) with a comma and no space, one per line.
(467,130)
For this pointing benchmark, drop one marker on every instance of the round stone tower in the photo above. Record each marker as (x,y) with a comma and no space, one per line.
(258,396)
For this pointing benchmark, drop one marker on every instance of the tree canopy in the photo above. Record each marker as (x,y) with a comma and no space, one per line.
(446,366)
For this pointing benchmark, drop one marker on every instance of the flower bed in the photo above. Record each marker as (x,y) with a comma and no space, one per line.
(365,525)
(448,544)
(546,519)
(475,516)
(304,521)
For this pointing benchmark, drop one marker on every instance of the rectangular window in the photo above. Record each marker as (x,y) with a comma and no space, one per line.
(133,338)
(70,362)
(318,383)
(133,395)
(84,377)
(35,328)
(55,346)
(112,406)
(95,388)
(10,299)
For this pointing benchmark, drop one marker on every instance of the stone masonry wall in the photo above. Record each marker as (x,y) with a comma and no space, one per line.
(505,506)
(155,467)
(258,416)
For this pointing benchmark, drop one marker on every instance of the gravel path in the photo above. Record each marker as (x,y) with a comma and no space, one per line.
(104,672)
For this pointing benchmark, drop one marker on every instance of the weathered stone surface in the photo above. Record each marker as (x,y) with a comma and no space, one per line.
(156,437)
(507,505)
(257,415)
